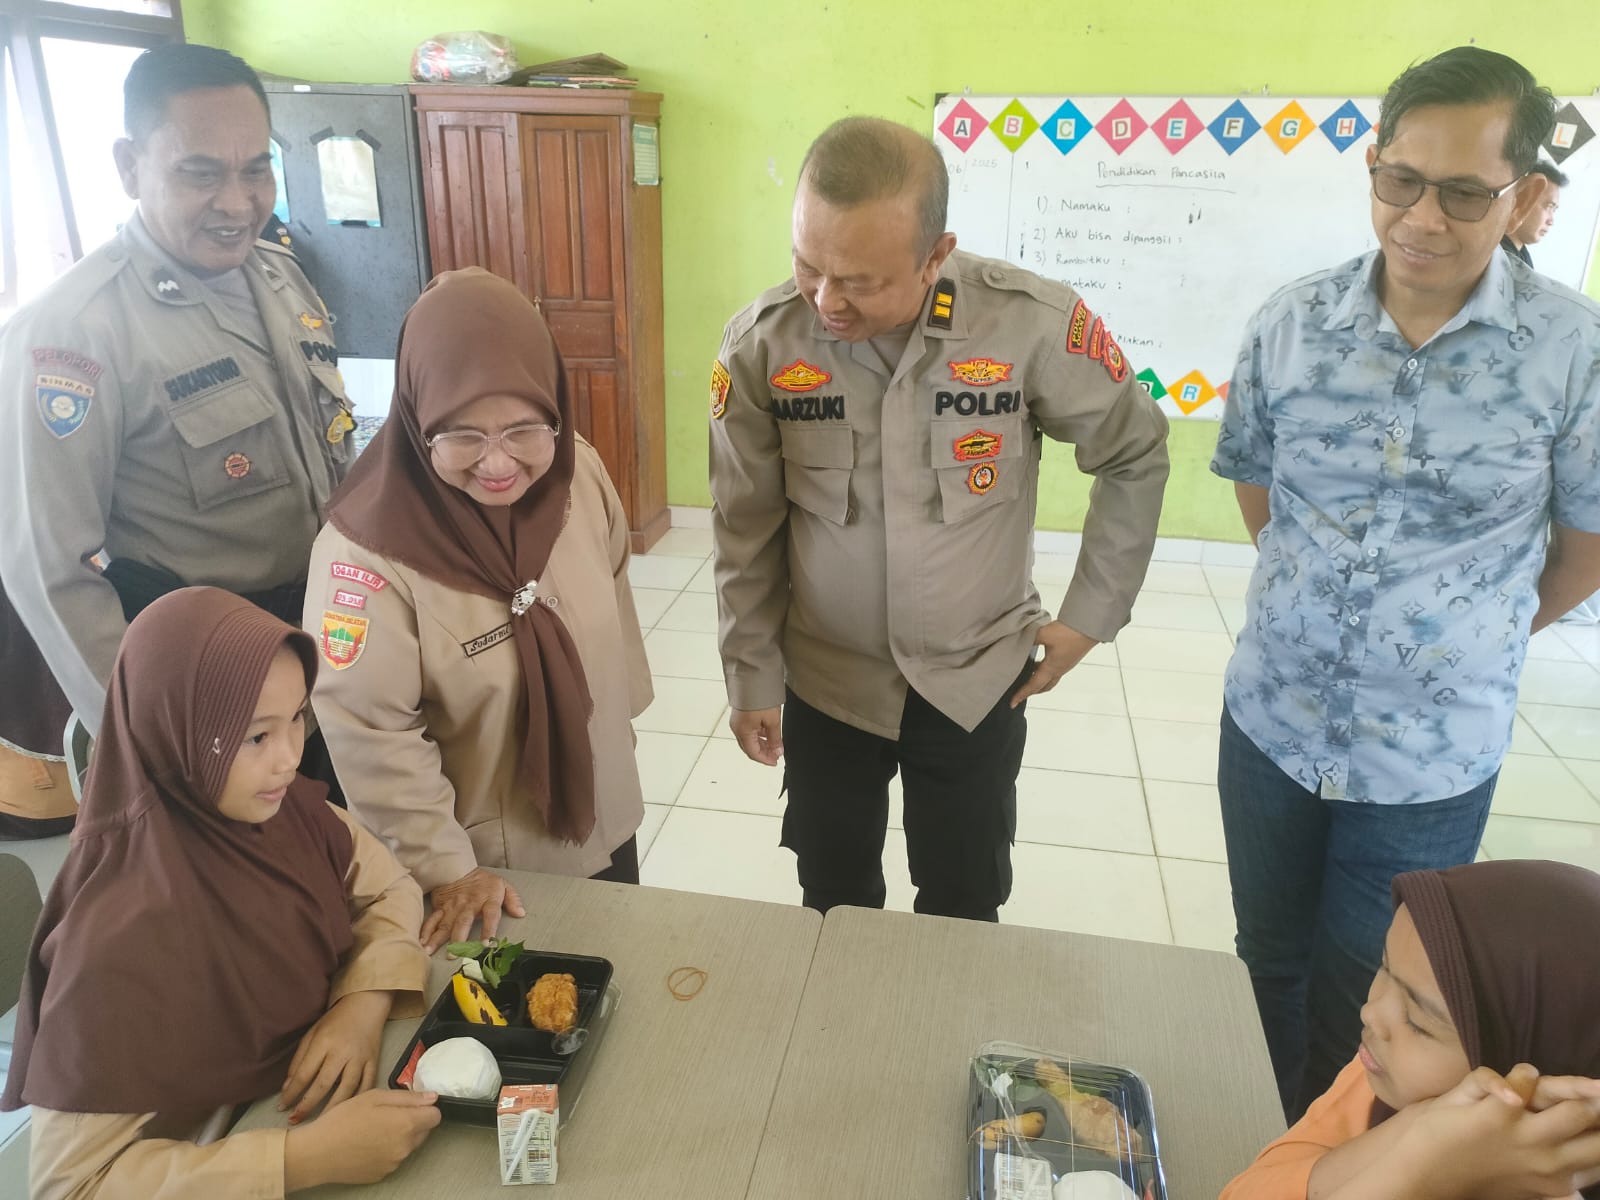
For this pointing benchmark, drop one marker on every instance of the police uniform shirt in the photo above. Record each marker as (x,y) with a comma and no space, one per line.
(146,419)
(874,527)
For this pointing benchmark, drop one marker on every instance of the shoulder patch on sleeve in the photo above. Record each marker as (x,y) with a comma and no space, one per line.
(64,388)
(721,381)
(355,574)
(342,639)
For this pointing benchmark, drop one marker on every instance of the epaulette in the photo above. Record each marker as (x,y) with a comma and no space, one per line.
(1006,277)
(744,320)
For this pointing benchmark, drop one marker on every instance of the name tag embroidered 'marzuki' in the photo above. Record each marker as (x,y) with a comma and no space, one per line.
(485,641)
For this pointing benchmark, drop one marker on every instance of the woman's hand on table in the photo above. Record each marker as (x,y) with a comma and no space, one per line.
(338,1056)
(479,894)
(359,1141)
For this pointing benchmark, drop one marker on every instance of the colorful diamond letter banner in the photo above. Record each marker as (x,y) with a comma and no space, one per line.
(1066,127)
(1345,126)
(1570,133)
(1121,126)
(1234,126)
(1190,392)
(1013,125)
(1151,384)
(1177,127)
(963,126)
(1290,127)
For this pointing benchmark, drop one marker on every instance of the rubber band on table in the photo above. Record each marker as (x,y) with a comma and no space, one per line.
(685,983)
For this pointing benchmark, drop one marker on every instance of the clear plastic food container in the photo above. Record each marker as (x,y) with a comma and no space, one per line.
(1046,1126)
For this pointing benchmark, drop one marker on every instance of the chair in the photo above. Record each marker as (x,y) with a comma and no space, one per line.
(20,905)
(76,745)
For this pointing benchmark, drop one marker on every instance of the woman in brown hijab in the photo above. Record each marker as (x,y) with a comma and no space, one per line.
(218,932)
(470,598)
(1480,1049)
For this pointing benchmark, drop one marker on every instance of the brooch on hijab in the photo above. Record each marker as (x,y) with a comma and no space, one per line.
(523,598)
(216,745)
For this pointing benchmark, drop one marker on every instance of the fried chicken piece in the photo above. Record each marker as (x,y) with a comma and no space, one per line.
(1029,1124)
(553,1003)
(1096,1122)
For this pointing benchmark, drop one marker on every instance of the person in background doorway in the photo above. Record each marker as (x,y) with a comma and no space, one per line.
(1538,222)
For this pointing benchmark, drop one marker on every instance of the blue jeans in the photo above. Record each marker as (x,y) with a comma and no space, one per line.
(1311,900)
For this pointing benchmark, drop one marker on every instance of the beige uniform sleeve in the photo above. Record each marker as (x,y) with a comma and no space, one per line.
(102,1156)
(370,712)
(386,914)
(55,487)
(1119,436)
(641,690)
(749,516)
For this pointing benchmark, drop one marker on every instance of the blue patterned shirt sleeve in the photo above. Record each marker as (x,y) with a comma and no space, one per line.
(1244,443)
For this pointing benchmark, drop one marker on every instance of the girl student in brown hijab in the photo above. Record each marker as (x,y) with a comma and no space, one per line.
(471,604)
(217,933)
(1480,1047)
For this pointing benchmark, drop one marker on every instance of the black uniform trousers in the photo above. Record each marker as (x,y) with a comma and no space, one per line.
(960,794)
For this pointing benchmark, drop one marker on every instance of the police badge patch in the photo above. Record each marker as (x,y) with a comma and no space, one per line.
(721,381)
(63,403)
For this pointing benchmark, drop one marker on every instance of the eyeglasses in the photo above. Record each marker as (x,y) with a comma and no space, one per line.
(1458,201)
(459,450)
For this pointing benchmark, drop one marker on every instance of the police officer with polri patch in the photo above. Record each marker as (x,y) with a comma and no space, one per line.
(174,403)
(876,427)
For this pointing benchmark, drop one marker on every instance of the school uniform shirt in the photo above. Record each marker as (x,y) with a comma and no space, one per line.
(874,523)
(177,1156)
(146,418)
(420,691)
(1411,491)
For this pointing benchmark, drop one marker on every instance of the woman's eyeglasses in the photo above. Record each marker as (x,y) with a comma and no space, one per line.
(458,450)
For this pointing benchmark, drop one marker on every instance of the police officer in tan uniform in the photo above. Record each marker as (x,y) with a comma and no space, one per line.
(173,403)
(876,426)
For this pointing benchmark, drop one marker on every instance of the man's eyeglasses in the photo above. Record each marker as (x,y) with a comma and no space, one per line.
(461,449)
(1459,201)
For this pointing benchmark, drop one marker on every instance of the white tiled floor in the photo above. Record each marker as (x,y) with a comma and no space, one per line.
(1117,823)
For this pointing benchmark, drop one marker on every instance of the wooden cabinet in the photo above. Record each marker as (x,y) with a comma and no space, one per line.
(538,186)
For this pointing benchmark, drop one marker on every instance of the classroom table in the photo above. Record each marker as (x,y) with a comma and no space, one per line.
(873,1096)
(830,1058)
(676,1101)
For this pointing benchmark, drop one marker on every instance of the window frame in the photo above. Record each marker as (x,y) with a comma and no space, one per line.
(24,24)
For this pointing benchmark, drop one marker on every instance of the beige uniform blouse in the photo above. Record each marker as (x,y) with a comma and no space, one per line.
(120,1156)
(421,695)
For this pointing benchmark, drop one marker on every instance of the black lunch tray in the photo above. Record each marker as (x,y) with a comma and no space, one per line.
(1138,1167)
(524,1054)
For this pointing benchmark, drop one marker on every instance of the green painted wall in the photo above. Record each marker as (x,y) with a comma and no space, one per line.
(749,83)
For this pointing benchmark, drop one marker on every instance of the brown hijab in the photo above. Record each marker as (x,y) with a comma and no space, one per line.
(181,955)
(472,334)
(1505,940)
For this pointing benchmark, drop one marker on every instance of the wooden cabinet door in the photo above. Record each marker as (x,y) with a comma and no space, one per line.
(571,166)
(472,168)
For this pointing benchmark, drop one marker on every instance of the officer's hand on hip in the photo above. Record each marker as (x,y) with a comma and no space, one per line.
(759,733)
(1064,648)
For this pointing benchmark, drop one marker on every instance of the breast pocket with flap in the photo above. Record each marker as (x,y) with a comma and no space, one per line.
(817,460)
(227,442)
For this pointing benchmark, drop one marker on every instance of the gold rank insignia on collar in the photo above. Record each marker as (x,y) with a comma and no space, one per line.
(944,304)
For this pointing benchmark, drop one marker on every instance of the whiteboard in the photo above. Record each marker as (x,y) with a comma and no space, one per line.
(1176,217)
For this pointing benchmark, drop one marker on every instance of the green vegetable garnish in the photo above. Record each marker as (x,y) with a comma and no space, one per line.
(494,956)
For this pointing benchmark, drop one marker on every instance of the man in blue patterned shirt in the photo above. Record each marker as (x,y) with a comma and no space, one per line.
(1406,433)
